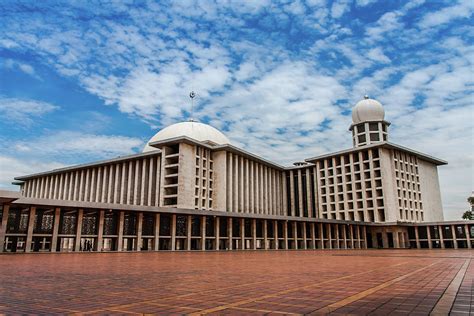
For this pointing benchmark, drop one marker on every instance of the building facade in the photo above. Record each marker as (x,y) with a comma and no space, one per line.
(191,189)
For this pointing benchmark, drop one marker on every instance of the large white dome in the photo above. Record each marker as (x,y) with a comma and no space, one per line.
(367,110)
(198,131)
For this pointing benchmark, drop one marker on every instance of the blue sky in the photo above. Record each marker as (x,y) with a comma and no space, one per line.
(81,82)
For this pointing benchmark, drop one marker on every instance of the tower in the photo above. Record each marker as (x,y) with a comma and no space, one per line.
(368,123)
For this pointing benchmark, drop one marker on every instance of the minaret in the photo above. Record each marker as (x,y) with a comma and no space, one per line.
(368,123)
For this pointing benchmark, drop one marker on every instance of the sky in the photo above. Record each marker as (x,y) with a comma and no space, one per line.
(82,81)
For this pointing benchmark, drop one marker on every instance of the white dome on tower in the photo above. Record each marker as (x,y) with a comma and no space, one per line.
(367,110)
(195,130)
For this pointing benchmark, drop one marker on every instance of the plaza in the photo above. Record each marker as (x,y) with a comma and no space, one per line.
(359,282)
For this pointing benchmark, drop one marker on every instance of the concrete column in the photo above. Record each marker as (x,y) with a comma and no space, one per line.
(329,228)
(80,215)
(336,227)
(305,246)
(285,234)
(254,234)
(120,231)
(428,233)
(54,239)
(189,223)
(173,232)
(100,232)
(203,233)
(384,238)
(441,237)
(344,237)
(364,231)
(396,240)
(229,233)
(31,223)
(265,237)
(217,232)
(468,236)
(455,240)
(275,234)
(417,238)
(139,231)
(321,235)
(313,235)
(242,233)
(3,227)
(351,232)
(358,243)
(295,234)
(157,232)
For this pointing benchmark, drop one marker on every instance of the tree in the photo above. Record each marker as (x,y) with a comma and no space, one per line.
(468,215)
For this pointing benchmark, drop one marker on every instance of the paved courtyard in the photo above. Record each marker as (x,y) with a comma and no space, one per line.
(341,282)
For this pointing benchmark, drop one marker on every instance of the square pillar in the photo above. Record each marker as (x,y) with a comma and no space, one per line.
(3,227)
(468,236)
(313,235)
(305,246)
(120,231)
(203,233)
(321,235)
(428,233)
(329,228)
(80,215)
(173,232)
(100,232)
(417,238)
(265,237)
(295,234)
(455,240)
(344,237)
(54,239)
(242,233)
(157,232)
(285,235)
(254,234)
(336,227)
(230,237)
(139,231)
(364,231)
(441,237)
(189,223)
(217,232)
(351,235)
(396,240)
(31,223)
(275,234)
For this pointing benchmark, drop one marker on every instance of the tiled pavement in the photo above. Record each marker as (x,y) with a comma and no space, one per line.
(341,282)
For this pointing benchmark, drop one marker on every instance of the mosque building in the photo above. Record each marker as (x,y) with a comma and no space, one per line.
(191,189)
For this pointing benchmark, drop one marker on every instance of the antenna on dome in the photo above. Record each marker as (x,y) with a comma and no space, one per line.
(192,95)
(366,97)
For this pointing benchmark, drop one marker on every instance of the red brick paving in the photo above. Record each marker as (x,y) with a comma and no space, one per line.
(341,282)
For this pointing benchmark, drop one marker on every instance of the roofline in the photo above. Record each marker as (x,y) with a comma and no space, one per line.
(226,147)
(420,155)
(87,165)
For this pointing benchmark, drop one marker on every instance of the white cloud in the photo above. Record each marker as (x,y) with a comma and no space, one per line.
(363,3)
(22,111)
(11,167)
(443,16)
(339,7)
(25,68)
(376,54)
(68,144)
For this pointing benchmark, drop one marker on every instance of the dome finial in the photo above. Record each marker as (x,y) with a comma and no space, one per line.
(366,97)
(192,95)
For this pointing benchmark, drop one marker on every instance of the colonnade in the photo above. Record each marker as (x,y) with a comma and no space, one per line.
(50,230)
